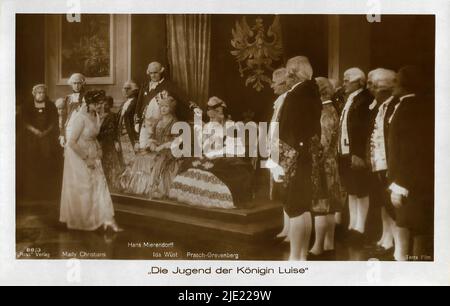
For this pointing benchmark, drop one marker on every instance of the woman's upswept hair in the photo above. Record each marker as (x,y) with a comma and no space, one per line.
(94,96)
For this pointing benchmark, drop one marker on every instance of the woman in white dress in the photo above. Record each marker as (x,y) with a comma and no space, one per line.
(86,201)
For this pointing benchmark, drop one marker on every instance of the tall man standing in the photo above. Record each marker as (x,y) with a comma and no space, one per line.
(353,134)
(280,88)
(127,135)
(156,84)
(299,132)
(380,110)
(411,167)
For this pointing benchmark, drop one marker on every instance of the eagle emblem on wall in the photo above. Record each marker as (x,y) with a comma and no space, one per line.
(256,50)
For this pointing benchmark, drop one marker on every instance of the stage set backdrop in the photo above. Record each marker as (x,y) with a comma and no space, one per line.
(229,56)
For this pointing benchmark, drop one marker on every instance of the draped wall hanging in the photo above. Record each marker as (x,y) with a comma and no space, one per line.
(256,51)
(189,39)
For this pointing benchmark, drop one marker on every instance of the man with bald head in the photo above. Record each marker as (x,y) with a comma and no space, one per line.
(155,84)
(353,134)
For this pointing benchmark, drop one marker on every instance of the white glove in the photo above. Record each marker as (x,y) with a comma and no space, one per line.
(396,199)
(198,111)
(276,170)
(62,141)
(398,194)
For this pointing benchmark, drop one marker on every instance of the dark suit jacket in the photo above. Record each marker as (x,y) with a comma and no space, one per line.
(299,131)
(388,116)
(183,111)
(411,146)
(358,123)
(128,119)
(300,116)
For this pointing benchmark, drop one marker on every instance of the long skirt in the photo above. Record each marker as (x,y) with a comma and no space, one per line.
(85,200)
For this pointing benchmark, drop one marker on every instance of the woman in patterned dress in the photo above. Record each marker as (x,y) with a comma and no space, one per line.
(332,199)
(215,181)
(155,167)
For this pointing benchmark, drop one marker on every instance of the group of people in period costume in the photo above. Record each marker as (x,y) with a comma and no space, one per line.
(368,145)
(376,151)
(129,151)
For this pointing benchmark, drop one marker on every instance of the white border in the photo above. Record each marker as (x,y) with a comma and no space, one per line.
(135,272)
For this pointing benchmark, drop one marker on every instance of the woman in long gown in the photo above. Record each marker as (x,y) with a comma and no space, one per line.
(215,181)
(39,140)
(155,167)
(85,201)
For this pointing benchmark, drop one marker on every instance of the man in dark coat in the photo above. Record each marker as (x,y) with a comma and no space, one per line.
(299,138)
(353,135)
(380,83)
(127,136)
(128,109)
(411,167)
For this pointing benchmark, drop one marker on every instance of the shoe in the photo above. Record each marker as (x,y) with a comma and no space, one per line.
(281,235)
(113,226)
(314,257)
(330,255)
(356,238)
(383,253)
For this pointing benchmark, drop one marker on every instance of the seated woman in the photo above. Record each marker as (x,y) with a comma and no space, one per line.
(155,167)
(214,180)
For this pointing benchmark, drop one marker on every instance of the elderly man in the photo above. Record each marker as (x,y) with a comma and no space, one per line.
(353,134)
(280,88)
(71,104)
(299,131)
(126,112)
(155,85)
(127,134)
(381,85)
(40,120)
(411,167)
(279,81)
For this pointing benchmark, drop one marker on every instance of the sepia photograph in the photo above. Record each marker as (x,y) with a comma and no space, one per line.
(99,98)
(261,143)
